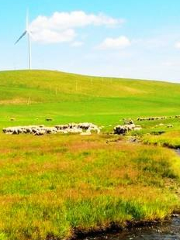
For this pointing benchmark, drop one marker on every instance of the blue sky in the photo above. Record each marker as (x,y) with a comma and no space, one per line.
(132,38)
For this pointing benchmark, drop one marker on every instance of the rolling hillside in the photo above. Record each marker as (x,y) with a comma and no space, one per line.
(31,96)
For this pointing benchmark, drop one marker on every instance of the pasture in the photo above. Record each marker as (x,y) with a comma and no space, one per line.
(32,96)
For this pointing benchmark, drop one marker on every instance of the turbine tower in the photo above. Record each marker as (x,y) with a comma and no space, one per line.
(28,33)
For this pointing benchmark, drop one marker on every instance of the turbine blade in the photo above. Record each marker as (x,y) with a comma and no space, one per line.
(24,33)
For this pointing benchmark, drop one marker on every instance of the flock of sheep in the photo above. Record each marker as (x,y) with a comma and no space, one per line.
(151,118)
(155,118)
(123,129)
(74,128)
(81,128)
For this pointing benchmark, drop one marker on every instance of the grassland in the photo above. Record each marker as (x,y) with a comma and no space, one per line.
(159,133)
(169,139)
(54,186)
(28,95)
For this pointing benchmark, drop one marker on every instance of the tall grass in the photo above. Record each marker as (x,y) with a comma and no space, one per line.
(60,185)
(170,139)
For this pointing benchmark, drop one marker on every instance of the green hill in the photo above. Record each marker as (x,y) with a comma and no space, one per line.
(28,95)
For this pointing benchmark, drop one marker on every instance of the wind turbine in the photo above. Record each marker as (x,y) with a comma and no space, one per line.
(29,34)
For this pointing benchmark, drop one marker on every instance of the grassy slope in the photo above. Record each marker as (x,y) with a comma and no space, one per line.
(70,97)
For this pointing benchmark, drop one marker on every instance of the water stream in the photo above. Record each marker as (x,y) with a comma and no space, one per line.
(169,230)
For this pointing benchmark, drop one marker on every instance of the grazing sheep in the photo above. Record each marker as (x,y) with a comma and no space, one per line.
(123,129)
(72,128)
(128,122)
(151,118)
(120,130)
(169,126)
(49,119)
(39,133)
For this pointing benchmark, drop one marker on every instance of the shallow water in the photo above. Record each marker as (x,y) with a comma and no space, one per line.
(169,230)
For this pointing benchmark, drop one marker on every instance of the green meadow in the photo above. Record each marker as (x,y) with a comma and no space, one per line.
(57,186)
(28,95)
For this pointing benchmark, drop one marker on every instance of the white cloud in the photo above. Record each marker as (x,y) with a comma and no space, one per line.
(61,25)
(49,36)
(115,43)
(177,45)
(77,44)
